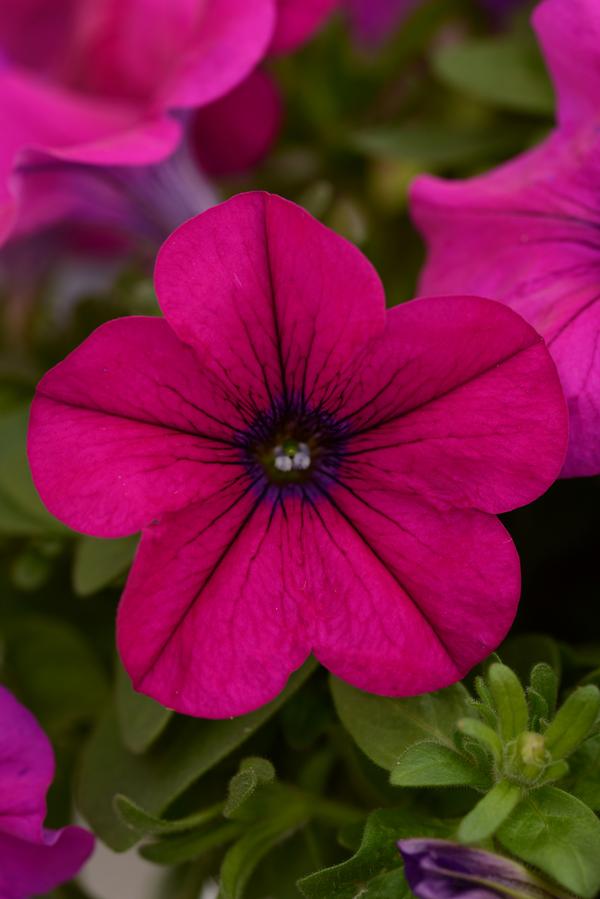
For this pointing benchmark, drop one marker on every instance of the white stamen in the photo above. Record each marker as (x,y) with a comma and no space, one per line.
(283,463)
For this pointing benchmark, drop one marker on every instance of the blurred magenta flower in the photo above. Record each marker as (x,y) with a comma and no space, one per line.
(528,232)
(440,869)
(33,860)
(99,85)
(375,20)
(310,473)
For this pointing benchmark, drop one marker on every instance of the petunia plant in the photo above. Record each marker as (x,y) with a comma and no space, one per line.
(298,579)
(512,746)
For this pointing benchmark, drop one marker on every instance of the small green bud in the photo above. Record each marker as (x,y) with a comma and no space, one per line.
(573,722)
(509,700)
(530,755)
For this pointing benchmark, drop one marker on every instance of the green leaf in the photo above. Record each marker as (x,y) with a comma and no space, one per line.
(156,778)
(97,563)
(484,735)
(505,72)
(545,682)
(189,846)
(559,835)
(141,719)
(430,146)
(573,722)
(242,859)
(55,671)
(509,700)
(375,871)
(143,822)
(430,764)
(384,728)
(253,772)
(489,813)
(22,512)
(584,780)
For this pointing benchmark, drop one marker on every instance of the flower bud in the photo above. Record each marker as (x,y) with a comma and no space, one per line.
(440,869)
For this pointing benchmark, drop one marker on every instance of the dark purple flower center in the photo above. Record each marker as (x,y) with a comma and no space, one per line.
(290,445)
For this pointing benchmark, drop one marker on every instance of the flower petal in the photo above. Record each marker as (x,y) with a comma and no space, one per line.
(375,20)
(70,129)
(527,234)
(28,869)
(297,20)
(569,32)
(26,770)
(276,300)
(415,597)
(234,133)
(459,414)
(212,621)
(128,427)
(232,39)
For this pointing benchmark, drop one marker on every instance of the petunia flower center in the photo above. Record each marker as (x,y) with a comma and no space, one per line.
(293,447)
(293,455)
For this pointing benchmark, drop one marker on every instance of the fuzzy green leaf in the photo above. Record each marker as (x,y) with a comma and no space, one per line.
(573,722)
(584,780)
(545,682)
(185,847)
(375,871)
(156,778)
(430,764)
(253,772)
(489,813)
(509,700)
(242,859)
(559,835)
(384,728)
(143,822)
(141,719)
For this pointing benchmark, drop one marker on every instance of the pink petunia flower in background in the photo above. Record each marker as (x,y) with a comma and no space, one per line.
(310,473)
(373,21)
(33,860)
(527,233)
(101,89)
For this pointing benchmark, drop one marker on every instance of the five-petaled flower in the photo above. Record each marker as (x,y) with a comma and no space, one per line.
(310,473)
(528,233)
(33,860)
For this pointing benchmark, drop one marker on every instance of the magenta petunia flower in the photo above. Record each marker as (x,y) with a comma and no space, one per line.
(105,85)
(310,473)
(527,233)
(33,860)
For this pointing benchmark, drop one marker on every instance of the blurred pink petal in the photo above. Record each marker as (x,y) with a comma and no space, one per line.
(374,20)
(527,232)
(235,133)
(108,96)
(297,20)
(32,860)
